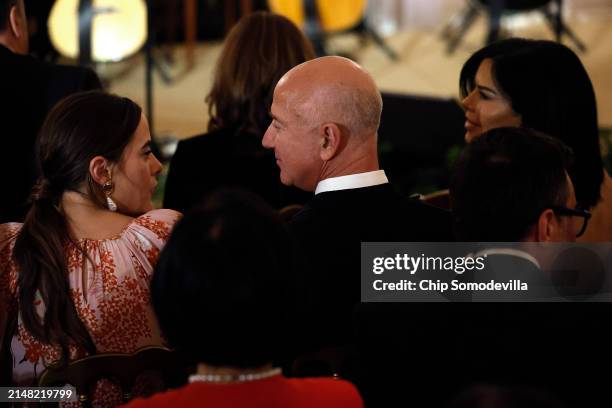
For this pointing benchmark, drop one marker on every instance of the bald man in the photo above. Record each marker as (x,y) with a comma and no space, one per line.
(326,114)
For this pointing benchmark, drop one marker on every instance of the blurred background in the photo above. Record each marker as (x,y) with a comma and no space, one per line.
(413,48)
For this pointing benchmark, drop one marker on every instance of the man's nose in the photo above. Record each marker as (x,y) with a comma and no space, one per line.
(268,139)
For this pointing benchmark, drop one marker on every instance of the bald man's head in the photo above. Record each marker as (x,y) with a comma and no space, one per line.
(333,89)
(325,114)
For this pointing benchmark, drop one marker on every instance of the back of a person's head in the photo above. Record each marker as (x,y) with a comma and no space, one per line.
(257,52)
(76,130)
(334,89)
(79,128)
(548,86)
(503,181)
(221,288)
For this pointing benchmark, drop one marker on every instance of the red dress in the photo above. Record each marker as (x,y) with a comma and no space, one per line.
(273,392)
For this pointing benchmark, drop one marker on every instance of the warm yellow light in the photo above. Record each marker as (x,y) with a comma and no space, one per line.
(334,15)
(119,28)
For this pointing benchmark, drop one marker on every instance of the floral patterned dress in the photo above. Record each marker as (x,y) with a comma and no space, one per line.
(109,287)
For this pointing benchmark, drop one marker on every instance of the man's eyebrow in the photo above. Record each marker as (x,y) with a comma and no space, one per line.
(276,118)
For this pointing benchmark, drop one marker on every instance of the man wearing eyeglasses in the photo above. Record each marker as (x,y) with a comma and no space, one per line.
(512,185)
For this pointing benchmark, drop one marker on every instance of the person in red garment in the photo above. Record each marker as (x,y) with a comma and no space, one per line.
(223,294)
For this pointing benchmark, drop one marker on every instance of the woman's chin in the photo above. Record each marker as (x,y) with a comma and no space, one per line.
(137,212)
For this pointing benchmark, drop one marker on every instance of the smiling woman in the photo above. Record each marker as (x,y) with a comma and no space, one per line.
(486,106)
(80,260)
(542,85)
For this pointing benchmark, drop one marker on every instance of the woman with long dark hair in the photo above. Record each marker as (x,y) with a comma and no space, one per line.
(542,85)
(257,52)
(77,271)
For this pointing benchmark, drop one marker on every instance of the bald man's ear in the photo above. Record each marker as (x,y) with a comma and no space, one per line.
(330,140)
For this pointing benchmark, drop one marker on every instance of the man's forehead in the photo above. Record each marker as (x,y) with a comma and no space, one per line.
(289,95)
(278,101)
(280,109)
(288,85)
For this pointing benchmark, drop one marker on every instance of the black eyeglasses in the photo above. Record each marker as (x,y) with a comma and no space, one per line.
(574,212)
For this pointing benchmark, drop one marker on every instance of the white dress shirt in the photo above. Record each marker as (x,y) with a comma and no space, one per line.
(359,180)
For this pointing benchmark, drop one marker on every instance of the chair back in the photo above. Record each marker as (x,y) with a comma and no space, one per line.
(6,357)
(287,213)
(518,5)
(84,373)
(440,199)
(334,15)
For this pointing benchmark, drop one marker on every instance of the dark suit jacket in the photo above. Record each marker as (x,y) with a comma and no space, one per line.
(225,158)
(29,88)
(430,352)
(330,229)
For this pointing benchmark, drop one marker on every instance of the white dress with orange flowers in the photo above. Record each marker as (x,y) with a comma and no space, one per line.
(109,287)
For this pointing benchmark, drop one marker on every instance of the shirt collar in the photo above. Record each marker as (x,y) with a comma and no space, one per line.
(510,251)
(359,180)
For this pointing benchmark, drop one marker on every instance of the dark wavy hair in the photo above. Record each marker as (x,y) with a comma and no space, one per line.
(76,130)
(258,51)
(549,87)
(502,182)
(222,289)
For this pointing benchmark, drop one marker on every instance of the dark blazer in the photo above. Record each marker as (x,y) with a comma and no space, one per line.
(29,88)
(225,158)
(440,349)
(330,229)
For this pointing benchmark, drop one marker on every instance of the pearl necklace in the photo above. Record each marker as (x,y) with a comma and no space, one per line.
(227,378)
